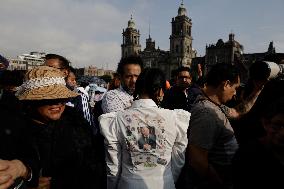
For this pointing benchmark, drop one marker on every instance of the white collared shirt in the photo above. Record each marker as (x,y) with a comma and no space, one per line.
(130,163)
(115,100)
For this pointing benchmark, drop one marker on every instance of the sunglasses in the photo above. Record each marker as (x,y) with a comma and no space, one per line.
(49,102)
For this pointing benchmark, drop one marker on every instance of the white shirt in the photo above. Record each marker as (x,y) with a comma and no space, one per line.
(129,165)
(115,100)
(82,90)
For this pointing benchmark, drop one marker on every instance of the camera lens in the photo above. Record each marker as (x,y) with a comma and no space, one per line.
(262,70)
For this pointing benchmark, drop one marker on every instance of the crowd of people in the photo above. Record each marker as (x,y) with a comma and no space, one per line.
(199,132)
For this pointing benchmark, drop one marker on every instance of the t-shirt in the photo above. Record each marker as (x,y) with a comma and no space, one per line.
(210,129)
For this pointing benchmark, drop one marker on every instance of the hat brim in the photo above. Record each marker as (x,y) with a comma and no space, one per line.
(45,93)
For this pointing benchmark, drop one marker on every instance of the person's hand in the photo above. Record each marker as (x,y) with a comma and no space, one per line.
(259,84)
(147,147)
(44,183)
(6,180)
(16,168)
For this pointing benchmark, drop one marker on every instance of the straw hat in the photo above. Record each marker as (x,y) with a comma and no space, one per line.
(42,83)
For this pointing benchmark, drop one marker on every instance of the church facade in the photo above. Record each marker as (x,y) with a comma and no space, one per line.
(181,52)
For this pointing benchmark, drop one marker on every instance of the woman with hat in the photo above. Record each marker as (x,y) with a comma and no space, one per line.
(145,144)
(64,141)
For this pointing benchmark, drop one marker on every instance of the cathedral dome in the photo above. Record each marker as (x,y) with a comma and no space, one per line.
(131,23)
(182,10)
(233,42)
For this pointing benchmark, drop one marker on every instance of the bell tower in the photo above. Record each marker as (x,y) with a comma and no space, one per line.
(181,50)
(131,40)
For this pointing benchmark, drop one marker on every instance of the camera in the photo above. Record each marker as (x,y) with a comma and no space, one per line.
(262,70)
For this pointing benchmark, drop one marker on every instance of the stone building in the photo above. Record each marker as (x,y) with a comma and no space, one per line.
(269,55)
(231,52)
(131,40)
(223,52)
(27,61)
(181,52)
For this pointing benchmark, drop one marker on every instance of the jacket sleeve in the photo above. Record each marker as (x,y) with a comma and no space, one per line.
(179,148)
(109,129)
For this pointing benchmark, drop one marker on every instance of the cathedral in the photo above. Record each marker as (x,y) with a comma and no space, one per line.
(181,52)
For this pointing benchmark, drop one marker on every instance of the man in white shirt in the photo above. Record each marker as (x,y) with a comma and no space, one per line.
(128,69)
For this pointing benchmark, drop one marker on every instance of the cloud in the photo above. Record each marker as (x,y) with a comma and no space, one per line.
(88,32)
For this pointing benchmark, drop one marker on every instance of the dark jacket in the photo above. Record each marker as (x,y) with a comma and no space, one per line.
(15,137)
(175,98)
(67,151)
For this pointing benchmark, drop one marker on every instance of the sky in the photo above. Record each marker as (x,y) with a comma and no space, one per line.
(89,32)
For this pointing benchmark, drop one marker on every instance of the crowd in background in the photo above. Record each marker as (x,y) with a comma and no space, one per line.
(199,131)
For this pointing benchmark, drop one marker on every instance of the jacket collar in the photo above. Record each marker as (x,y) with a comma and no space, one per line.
(144,103)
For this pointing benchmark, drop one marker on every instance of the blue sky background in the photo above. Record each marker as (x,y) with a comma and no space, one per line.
(88,32)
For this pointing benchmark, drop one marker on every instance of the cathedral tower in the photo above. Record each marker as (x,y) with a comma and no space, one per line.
(181,50)
(131,40)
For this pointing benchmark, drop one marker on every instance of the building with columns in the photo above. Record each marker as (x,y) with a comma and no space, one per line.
(181,52)
(131,40)
(229,52)
(27,61)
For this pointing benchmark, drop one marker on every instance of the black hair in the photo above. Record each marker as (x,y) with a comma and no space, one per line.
(84,84)
(222,72)
(71,69)
(128,60)
(64,62)
(182,69)
(149,81)
(115,75)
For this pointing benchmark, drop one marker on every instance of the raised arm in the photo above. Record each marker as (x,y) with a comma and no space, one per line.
(246,105)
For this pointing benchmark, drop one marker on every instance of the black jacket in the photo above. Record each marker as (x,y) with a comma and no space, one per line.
(67,151)
(15,137)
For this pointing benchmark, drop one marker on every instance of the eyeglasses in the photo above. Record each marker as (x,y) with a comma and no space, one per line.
(277,126)
(184,77)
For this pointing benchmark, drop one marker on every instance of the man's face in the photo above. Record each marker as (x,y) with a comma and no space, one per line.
(230,90)
(71,80)
(183,79)
(51,112)
(145,132)
(55,63)
(129,77)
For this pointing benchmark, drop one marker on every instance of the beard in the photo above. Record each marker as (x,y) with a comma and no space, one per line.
(128,90)
(72,88)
